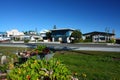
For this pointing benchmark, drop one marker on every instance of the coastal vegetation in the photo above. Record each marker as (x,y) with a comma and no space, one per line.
(86,65)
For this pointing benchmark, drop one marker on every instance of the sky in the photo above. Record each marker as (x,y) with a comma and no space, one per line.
(85,15)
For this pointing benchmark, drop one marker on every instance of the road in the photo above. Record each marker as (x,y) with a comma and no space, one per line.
(65,46)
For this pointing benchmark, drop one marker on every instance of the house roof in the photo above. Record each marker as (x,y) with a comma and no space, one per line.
(44,31)
(2,32)
(96,32)
(69,29)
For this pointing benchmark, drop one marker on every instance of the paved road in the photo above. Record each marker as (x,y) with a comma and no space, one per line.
(82,46)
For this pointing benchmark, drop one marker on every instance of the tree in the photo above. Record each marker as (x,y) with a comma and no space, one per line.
(48,35)
(25,32)
(77,35)
(54,27)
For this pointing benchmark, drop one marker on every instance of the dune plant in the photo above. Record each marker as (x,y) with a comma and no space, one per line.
(39,48)
(43,69)
(3,68)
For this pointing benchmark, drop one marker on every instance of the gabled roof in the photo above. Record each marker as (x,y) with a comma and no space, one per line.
(96,32)
(69,29)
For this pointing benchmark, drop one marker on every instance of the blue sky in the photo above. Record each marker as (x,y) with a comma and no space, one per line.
(86,15)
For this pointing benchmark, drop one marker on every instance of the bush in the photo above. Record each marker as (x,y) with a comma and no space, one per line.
(111,41)
(26,41)
(40,70)
(3,68)
(88,40)
(77,41)
(40,48)
(77,35)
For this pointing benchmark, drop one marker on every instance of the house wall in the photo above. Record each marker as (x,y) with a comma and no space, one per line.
(61,35)
(118,41)
(3,36)
(100,38)
(14,32)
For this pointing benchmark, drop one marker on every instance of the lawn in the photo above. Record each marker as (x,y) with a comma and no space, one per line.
(96,65)
(11,51)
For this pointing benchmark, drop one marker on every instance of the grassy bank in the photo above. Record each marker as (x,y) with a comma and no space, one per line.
(96,65)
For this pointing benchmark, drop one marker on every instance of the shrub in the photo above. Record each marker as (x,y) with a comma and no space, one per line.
(88,40)
(40,48)
(77,35)
(3,68)
(26,41)
(34,69)
(111,41)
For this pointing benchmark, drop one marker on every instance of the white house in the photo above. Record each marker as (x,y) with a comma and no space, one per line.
(15,34)
(99,36)
(43,35)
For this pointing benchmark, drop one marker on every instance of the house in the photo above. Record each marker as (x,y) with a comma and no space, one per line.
(43,35)
(62,35)
(31,32)
(3,37)
(31,35)
(118,40)
(99,36)
(15,34)
(3,34)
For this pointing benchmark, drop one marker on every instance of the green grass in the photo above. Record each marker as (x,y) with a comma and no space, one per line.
(10,52)
(96,65)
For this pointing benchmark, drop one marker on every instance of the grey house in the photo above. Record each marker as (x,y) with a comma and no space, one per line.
(99,36)
(62,35)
